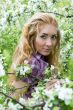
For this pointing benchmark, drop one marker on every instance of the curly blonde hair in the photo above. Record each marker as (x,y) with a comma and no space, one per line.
(26,48)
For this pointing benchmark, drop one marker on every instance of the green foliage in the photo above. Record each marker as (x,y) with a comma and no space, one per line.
(13,16)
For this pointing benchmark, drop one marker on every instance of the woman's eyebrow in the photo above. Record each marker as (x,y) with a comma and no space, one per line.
(54,34)
(44,34)
(47,34)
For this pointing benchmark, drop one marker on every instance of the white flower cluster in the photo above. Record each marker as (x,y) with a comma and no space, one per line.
(35,100)
(1,107)
(59,93)
(28,103)
(23,70)
(14,106)
(66,94)
(2,72)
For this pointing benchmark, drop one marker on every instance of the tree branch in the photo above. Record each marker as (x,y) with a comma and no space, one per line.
(14,100)
(68,16)
(24,108)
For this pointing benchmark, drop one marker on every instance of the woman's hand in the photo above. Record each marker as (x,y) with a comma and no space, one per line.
(51,83)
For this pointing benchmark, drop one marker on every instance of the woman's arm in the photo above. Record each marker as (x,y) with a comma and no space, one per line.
(20,86)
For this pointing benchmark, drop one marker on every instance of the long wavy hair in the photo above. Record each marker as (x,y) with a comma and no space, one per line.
(26,48)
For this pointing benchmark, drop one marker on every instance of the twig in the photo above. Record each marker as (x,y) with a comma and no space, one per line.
(14,100)
(67,16)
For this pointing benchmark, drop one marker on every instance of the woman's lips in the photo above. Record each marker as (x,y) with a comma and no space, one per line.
(47,50)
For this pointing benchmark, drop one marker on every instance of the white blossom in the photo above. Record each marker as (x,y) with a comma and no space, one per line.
(24,69)
(67,81)
(57,87)
(65,94)
(71,55)
(49,4)
(11,106)
(49,94)
(21,9)
(46,106)
(22,101)
(2,72)
(52,67)
(14,106)
(3,21)
(1,107)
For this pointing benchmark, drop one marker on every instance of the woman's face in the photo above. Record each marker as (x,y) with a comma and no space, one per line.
(46,39)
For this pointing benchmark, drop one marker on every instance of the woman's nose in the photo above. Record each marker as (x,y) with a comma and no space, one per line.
(49,42)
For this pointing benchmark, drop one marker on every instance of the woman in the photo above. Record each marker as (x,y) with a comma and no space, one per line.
(39,45)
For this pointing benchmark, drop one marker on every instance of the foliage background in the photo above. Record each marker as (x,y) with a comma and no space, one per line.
(14,14)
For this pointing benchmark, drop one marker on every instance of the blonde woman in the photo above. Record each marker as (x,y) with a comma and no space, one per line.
(39,45)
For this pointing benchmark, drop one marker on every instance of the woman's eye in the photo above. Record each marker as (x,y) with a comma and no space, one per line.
(43,36)
(53,37)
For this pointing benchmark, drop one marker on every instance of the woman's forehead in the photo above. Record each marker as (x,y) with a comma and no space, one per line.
(47,28)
